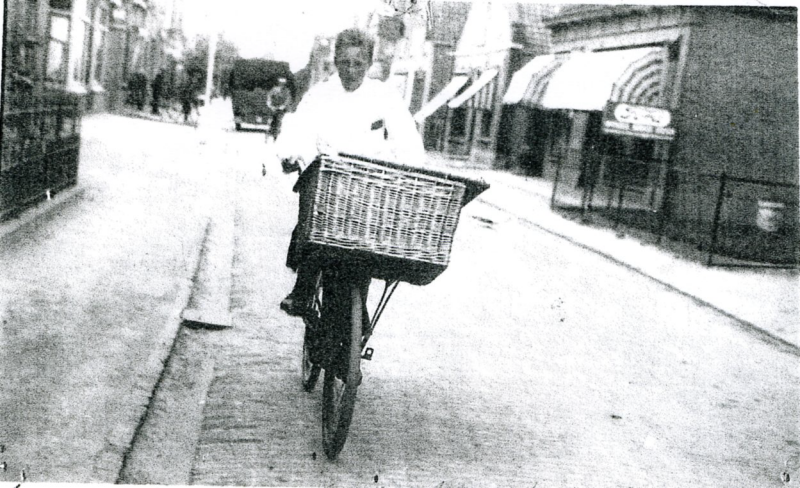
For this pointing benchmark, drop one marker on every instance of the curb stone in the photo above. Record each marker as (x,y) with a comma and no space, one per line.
(109,463)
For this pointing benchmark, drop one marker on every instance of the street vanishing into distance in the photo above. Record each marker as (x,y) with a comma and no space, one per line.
(529,362)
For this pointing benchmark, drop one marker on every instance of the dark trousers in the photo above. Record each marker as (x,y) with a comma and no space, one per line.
(309,262)
(155,102)
(305,262)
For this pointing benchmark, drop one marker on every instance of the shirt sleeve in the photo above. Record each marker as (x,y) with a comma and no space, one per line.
(404,137)
(299,131)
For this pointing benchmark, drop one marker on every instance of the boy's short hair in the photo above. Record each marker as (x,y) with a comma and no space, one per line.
(354,38)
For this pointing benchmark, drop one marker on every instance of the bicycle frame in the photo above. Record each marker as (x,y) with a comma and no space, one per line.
(335,341)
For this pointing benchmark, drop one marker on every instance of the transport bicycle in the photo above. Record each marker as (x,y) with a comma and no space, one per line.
(367,219)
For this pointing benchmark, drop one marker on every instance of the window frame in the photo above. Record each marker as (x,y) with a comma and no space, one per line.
(63,70)
(80,73)
(100,25)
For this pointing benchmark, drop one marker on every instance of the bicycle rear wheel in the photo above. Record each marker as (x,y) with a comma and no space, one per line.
(343,371)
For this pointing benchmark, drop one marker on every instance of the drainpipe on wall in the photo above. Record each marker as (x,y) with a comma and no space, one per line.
(212,51)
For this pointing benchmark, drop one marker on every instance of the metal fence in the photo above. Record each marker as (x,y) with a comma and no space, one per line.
(755,220)
(731,221)
(40,148)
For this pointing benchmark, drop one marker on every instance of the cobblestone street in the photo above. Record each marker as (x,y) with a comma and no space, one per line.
(531,361)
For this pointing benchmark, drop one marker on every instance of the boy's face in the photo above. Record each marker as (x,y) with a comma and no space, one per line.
(352,64)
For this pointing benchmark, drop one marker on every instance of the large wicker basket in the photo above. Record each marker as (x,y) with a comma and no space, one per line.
(395,221)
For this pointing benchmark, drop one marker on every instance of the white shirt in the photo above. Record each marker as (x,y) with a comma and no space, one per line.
(371,121)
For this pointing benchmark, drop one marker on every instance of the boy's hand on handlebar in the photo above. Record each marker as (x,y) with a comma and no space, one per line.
(290,165)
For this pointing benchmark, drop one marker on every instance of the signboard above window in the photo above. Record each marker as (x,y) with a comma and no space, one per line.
(638,121)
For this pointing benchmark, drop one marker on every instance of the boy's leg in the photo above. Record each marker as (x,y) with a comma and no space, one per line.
(299,300)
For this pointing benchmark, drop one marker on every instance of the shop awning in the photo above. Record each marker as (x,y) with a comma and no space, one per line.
(529,83)
(448,92)
(474,88)
(643,82)
(585,81)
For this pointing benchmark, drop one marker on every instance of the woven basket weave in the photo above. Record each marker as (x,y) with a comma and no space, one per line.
(396,221)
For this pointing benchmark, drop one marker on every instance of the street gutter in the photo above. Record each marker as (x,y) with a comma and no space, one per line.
(122,438)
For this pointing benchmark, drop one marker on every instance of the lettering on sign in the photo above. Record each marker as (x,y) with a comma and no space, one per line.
(641,115)
(638,121)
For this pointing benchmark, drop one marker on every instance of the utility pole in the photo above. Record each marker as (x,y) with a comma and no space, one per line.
(212,51)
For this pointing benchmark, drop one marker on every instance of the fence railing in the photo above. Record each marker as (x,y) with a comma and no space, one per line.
(40,148)
(769,231)
(733,221)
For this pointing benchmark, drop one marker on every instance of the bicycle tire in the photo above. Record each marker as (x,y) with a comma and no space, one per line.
(311,368)
(311,371)
(342,374)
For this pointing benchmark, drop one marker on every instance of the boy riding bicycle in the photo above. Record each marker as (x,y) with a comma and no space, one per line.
(349,113)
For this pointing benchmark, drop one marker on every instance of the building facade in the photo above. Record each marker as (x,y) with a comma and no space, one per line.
(64,58)
(475,46)
(689,126)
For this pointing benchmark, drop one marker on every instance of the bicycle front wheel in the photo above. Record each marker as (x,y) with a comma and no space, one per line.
(312,340)
(342,376)
(310,369)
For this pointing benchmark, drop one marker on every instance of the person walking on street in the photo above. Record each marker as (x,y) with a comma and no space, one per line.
(188,94)
(137,90)
(157,87)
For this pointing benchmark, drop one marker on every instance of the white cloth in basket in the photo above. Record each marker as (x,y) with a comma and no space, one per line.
(372,121)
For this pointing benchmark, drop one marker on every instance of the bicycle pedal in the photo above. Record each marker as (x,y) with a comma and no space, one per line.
(368,354)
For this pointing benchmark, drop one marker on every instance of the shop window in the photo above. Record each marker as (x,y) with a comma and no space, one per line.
(22,44)
(628,159)
(560,125)
(458,122)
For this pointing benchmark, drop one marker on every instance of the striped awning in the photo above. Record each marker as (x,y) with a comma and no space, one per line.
(643,82)
(483,80)
(528,85)
(586,81)
(448,92)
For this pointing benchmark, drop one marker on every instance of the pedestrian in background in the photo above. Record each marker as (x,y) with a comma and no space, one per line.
(157,88)
(188,93)
(137,90)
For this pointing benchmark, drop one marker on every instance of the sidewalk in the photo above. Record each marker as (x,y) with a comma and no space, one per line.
(761,301)
(91,287)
